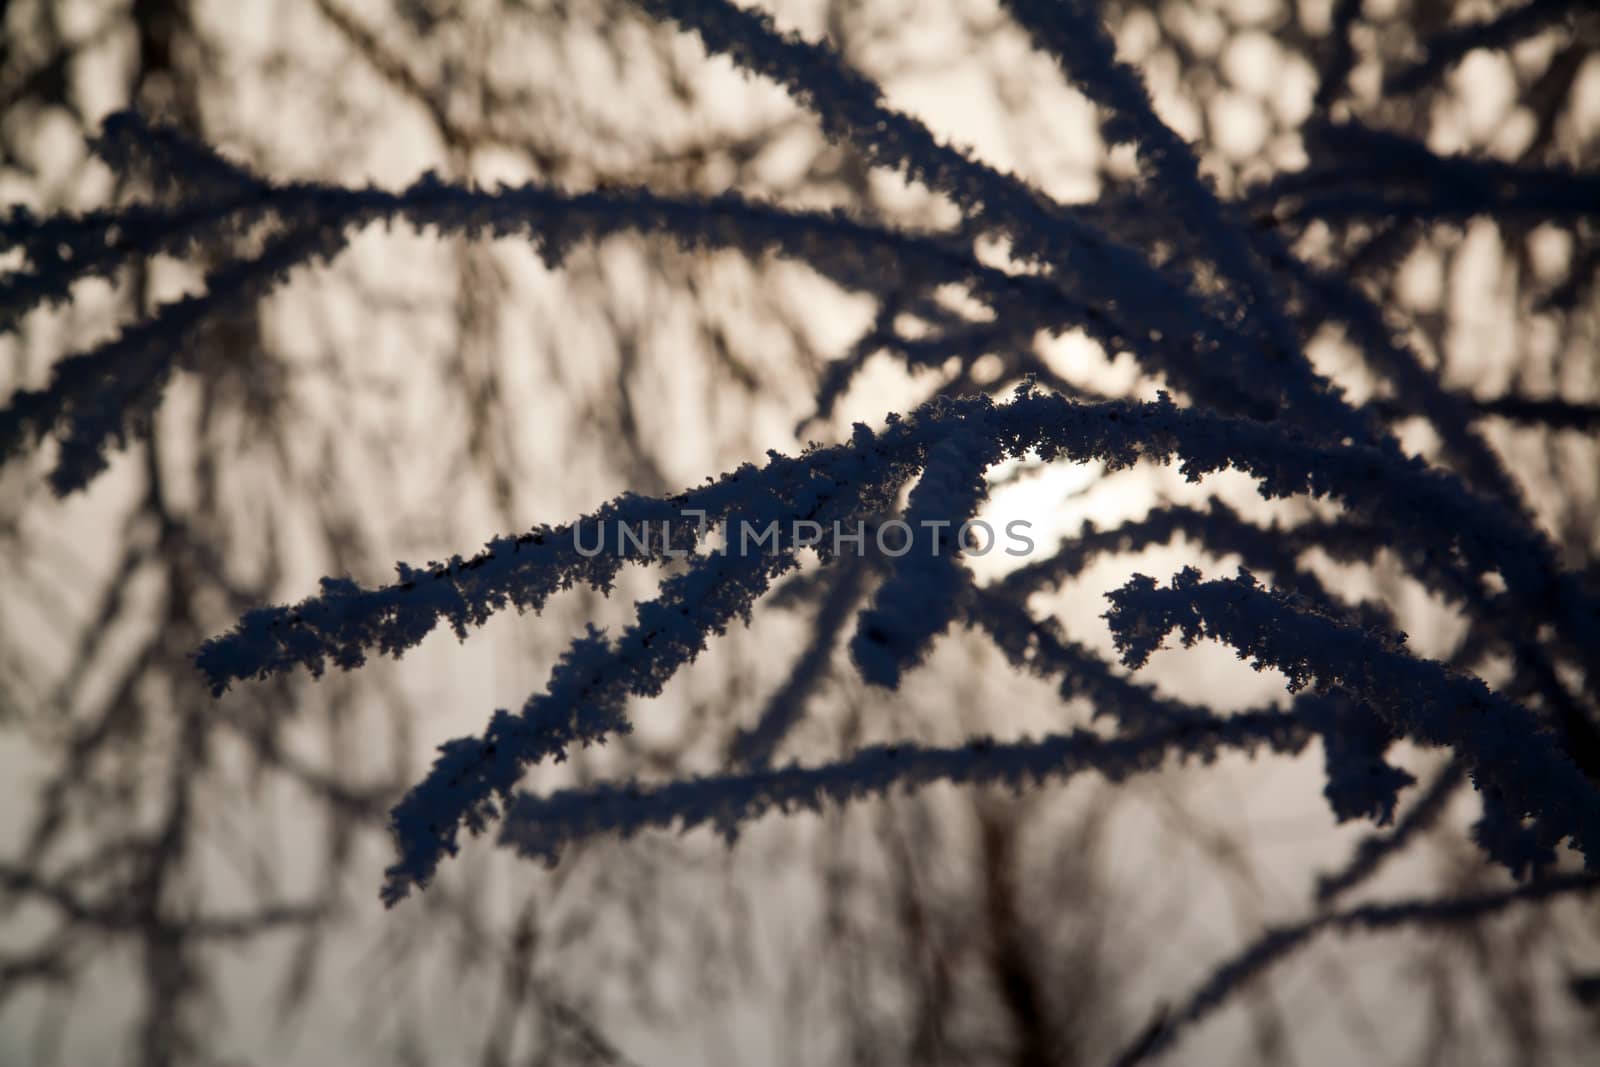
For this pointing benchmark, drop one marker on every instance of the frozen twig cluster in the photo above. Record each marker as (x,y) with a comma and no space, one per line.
(1220,313)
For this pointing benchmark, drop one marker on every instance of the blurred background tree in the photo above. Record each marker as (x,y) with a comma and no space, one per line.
(186,881)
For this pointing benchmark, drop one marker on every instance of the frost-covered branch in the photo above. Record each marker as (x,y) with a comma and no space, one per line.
(926,582)
(1372,850)
(1360,783)
(540,826)
(1505,744)
(1420,506)
(1131,304)
(583,702)
(95,397)
(953,440)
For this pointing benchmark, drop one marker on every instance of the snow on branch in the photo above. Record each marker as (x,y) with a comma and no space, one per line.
(96,398)
(1073,32)
(1221,314)
(1361,784)
(1219,530)
(540,826)
(584,699)
(926,583)
(1508,749)
(829,485)
(1214,298)
(1421,506)
(1371,851)
(950,442)
(1134,305)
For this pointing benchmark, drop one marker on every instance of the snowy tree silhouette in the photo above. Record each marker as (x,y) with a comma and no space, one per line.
(1286,366)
